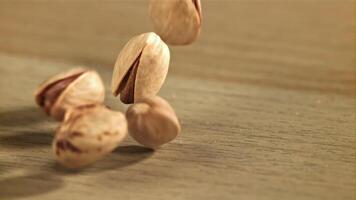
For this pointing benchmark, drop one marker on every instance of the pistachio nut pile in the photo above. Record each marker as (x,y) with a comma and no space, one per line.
(89,129)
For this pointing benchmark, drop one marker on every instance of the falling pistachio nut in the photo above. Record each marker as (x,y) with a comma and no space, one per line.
(177,22)
(141,68)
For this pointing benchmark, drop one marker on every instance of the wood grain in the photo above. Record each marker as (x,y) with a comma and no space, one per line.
(266,98)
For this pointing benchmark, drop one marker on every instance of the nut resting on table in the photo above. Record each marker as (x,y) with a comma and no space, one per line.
(152,122)
(141,68)
(88,133)
(78,86)
(177,22)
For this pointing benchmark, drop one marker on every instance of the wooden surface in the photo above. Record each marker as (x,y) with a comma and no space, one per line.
(266,98)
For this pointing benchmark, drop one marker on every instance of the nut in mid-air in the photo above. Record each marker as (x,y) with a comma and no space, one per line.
(88,133)
(140,68)
(177,22)
(78,86)
(152,122)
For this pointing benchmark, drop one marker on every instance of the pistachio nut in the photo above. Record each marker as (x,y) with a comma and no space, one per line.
(177,22)
(78,86)
(152,122)
(88,133)
(141,68)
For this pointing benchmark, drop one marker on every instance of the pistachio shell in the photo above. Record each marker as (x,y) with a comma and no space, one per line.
(39,90)
(149,55)
(86,88)
(87,134)
(177,22)
(152,122)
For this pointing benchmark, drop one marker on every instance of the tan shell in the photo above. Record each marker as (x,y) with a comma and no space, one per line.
(152,122)
(57,77)
(87,134)
(153,62)
(88,88)
(177,22)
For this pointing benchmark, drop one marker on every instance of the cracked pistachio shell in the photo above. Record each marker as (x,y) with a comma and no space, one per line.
(87,134)
(78,86)
(177,22)
(141,68)
(152,122)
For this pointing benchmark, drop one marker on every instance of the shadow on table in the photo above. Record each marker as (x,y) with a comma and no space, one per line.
(26,139)
(130,154)
(21,116)
(28,185)
(49,178)
(122,157)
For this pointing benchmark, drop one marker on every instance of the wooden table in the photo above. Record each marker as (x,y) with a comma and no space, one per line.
(266,98)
